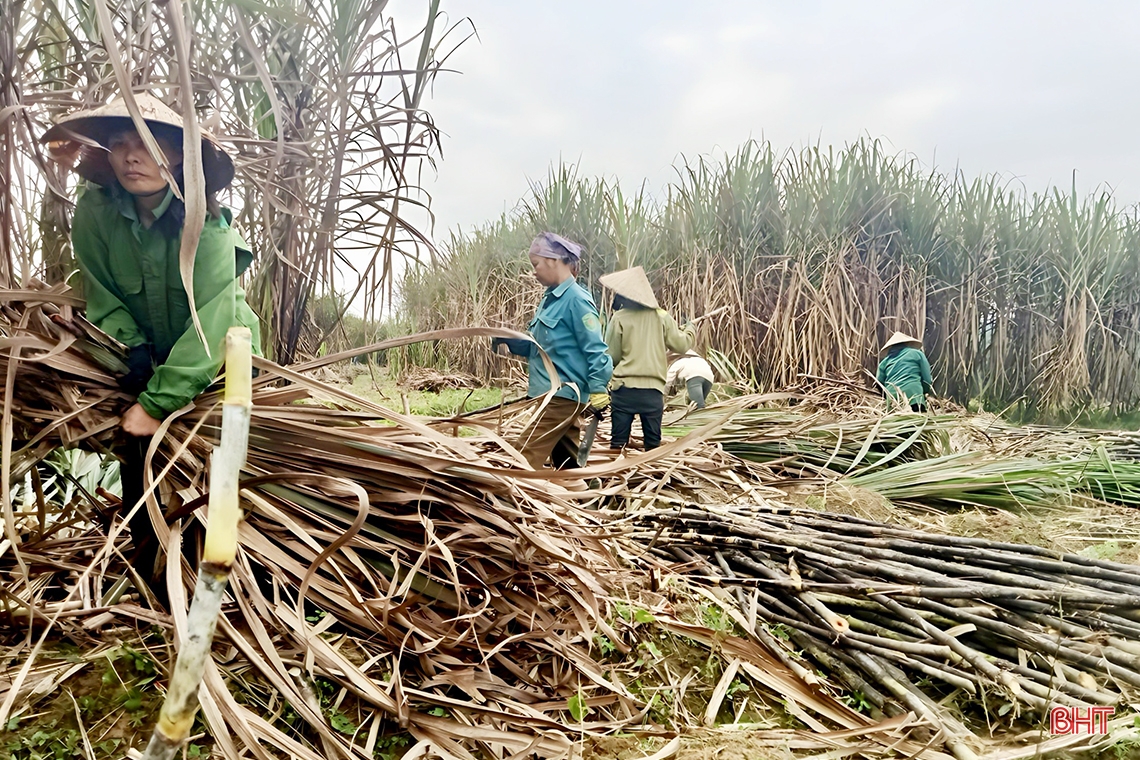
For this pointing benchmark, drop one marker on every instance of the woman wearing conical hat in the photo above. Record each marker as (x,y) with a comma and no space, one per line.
(904,372)
(638,336)
(126,234)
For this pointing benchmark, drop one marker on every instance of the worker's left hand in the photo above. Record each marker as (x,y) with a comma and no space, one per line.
(138,423)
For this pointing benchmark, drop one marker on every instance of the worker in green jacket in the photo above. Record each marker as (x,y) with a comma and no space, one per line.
(638,335)
(126,235)
(904,372)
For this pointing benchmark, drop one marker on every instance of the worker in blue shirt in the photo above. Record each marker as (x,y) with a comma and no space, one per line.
(568,328)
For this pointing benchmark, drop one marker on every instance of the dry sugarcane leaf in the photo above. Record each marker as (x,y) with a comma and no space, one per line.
(194,195)
(720,692)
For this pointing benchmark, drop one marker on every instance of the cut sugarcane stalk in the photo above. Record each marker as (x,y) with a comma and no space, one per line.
(177,715)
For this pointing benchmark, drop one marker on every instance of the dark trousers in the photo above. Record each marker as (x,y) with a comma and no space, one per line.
(628,403)
(554,435)
(699,389)
(144,541)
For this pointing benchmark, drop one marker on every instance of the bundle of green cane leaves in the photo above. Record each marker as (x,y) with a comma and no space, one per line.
(932,461)
(803,442)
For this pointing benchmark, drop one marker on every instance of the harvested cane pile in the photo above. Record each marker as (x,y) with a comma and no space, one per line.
(915,621)
(958,630)
(441,589)
(387,557)
(445,591)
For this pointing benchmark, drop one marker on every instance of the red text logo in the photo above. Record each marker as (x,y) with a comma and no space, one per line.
(1080,720)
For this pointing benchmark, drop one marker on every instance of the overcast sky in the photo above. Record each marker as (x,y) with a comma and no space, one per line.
(1030,90)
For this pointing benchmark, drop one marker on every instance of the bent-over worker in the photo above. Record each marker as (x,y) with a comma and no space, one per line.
(126,234)
(691,370)
(568,328)
(904,372)
(638,335)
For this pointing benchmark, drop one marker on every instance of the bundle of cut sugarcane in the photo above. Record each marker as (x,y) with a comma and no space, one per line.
(907,618)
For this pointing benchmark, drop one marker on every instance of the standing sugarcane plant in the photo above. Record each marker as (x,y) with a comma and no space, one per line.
(322,105)
(177,715)
(1027,302)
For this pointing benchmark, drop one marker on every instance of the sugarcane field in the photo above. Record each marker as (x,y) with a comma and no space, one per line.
(526,381)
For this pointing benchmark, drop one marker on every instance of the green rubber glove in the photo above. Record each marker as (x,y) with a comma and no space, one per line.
(599,401)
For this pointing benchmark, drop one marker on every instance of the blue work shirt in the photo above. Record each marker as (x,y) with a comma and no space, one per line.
(568,328)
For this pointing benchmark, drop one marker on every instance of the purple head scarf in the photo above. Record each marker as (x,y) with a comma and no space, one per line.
(551,246)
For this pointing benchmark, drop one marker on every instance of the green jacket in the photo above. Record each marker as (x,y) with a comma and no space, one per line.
(637,339)
(906,374)
(134,293)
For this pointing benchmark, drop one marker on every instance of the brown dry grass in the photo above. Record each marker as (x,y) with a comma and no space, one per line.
(1094,529)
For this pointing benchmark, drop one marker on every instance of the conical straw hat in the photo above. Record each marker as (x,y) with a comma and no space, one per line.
(900,338)
(100,124)
(631,284)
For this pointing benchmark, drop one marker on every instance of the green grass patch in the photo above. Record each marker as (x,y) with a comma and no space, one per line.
(101,711)
(379,387)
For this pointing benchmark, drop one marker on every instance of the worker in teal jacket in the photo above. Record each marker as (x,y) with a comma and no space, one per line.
(126,236)
(904,372)
(568,328)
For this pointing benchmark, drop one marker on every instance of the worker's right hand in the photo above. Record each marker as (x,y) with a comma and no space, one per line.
(138,423)
(598,404)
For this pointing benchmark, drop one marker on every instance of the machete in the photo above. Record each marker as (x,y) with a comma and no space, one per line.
(588,436)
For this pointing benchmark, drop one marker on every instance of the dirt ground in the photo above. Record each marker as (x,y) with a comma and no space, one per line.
(735,744)
(713,744)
